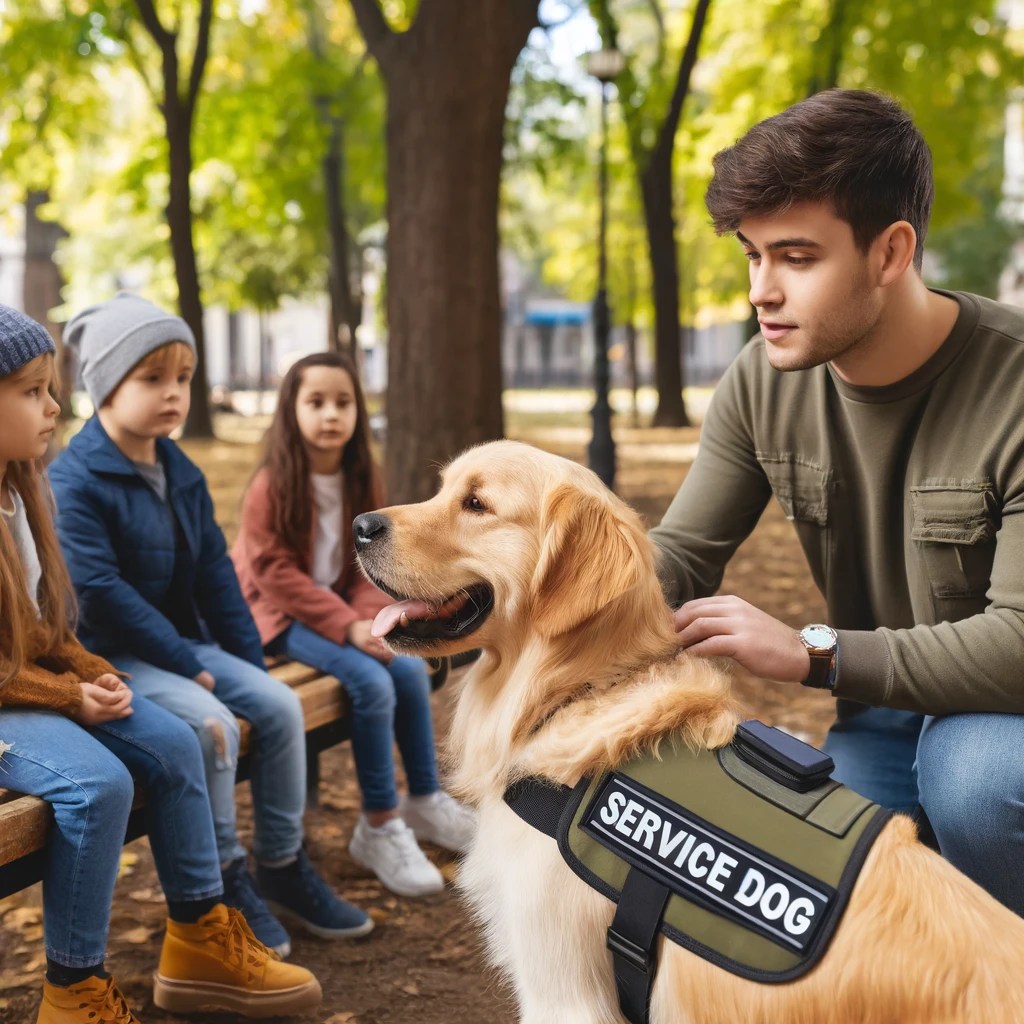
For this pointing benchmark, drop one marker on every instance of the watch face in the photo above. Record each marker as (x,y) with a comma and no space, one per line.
(820,638)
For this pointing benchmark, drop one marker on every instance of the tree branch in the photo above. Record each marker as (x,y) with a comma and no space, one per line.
(202,53)
(377,33)
(659,21)
(147,11)
(670,125)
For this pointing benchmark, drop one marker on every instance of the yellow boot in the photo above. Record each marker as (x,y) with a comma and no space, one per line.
(92,1001)
(218,964)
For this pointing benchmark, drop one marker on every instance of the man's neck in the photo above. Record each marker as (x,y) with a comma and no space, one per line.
(909,332)
(134,447)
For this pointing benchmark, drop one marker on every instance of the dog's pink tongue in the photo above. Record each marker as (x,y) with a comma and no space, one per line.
(387,618)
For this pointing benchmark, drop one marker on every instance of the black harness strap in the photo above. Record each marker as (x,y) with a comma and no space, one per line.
(539,803)
(633,940)
(633,935)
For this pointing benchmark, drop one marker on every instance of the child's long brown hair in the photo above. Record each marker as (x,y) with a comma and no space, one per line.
(56,596)
(288,464)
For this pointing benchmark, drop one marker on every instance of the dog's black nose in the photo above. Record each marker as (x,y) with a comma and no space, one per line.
(369,527)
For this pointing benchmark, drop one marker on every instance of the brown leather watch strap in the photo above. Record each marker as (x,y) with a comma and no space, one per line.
(821,670)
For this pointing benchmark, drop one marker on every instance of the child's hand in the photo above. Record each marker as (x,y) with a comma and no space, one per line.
(205,680)
(100,704)
(359,635)
(110,682)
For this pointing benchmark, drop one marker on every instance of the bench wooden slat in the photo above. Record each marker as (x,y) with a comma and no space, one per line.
(24,823)
(294,673)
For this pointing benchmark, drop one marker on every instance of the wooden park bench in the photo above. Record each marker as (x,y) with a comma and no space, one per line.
(25,820)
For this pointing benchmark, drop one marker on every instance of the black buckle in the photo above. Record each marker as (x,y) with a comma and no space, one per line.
(636,956)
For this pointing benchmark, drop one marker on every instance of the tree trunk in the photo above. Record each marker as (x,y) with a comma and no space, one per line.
(659,215)
(343,316)
(447,79)
(42,284)
(179,219)
(179,113)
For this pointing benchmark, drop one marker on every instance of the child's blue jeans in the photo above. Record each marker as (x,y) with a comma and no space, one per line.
(278,744)
(86,775)
(389,703)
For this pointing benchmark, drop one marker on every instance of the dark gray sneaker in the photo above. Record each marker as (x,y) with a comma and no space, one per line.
(297,891)
(241,893)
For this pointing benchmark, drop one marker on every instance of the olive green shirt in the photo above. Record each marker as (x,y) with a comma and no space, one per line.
(908,501)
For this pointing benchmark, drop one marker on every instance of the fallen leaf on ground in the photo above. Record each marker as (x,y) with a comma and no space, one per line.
(22,917)
(342,1018)
(450,871)
(137,936)
(4,1003)
(127,863)
(410,989)
(33,933)
(14,979)
(379,916)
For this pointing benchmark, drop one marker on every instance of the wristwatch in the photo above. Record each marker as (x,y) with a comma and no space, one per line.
(822,643)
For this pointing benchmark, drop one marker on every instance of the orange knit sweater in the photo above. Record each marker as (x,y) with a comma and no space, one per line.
(50,678)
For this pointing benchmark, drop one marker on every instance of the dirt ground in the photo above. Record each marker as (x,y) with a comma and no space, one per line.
(423,962)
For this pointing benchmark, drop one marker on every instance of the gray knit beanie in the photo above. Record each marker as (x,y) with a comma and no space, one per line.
(114,336)
(21,340)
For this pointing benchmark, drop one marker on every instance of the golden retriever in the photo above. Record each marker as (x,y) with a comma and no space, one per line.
(528,556)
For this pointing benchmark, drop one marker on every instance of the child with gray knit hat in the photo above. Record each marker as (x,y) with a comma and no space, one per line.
(158,595)
(113,337)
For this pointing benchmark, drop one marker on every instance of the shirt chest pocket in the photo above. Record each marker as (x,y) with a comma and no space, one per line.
(953,531)
(803,489)
(799,486)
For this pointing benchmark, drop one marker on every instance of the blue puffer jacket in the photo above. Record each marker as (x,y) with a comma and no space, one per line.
(118,538)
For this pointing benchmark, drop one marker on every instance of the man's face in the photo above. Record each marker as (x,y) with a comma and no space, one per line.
(812,286)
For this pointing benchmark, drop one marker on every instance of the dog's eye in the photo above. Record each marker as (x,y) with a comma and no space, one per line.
(474,504)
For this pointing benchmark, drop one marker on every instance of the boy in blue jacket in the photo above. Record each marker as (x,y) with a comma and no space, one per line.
(160,600)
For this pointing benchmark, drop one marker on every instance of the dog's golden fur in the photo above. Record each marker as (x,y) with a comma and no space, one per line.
(581,670)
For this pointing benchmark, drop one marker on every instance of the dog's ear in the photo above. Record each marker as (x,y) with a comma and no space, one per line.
(588,558)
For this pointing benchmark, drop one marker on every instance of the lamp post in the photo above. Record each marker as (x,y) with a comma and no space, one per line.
(604,65)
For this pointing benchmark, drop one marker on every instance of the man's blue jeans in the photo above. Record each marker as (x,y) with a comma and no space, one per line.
(278,744)
(389,703)
(965,771)
(86,775)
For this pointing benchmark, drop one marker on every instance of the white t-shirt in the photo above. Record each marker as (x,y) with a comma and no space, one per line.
(327,553)
(17,523)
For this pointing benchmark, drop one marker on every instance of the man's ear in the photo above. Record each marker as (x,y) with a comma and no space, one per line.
(587,560)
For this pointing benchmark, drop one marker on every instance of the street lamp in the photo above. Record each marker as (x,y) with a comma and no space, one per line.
(604,65)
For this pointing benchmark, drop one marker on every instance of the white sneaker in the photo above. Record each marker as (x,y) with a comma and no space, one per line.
(392,854)
(440,819)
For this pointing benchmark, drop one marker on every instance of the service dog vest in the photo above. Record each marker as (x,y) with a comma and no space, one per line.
(745,855)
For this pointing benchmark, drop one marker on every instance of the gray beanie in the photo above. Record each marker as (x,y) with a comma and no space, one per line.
(21,340)
(114,336)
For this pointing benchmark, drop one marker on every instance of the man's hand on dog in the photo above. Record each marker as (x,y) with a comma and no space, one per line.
(729,627)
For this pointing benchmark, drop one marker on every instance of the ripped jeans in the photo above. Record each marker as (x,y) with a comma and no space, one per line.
(277,744)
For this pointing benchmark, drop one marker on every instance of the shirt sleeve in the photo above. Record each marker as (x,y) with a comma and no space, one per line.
(974,665)
(37,687)
(282,580)
(219,595)
(719,502)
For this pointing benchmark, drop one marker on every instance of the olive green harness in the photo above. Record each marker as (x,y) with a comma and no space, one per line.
(745,855)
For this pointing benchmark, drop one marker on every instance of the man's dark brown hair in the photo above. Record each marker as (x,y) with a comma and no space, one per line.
(857,150)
